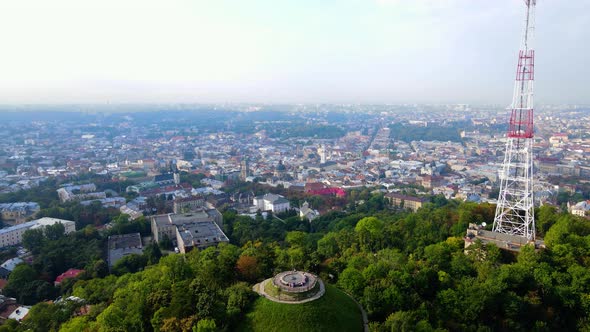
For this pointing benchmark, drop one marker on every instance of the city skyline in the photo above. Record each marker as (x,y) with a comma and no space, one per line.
(353,51)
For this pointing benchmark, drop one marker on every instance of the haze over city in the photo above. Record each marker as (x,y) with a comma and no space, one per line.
(360,51)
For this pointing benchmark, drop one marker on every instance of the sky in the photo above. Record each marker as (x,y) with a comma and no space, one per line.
(288,51)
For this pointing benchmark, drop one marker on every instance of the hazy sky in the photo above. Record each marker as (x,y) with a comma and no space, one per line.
(361,51)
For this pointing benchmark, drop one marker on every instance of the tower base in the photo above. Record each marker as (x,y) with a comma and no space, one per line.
(503,241)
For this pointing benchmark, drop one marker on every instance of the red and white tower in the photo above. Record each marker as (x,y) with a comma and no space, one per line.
(515,209)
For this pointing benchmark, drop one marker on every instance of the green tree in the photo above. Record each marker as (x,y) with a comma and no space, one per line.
(328,245)
(33,240)
(352,281)
(48,316)
(54,232)
(205,325)
(129,264)
(545,217)
(19,283)
(370,232)
(152,253)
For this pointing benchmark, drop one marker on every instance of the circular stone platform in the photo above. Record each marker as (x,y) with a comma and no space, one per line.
(294,281)
(291,287)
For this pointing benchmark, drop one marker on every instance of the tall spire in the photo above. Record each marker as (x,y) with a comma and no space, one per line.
(515,209)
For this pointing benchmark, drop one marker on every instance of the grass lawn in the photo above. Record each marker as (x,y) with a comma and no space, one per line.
(334,311)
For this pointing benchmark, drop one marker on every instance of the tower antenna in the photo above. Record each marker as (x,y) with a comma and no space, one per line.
(515,208)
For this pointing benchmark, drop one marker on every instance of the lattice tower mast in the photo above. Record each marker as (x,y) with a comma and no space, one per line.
(515,210)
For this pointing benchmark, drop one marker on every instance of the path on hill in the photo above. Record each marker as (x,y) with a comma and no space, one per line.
(363,312)
(259,288)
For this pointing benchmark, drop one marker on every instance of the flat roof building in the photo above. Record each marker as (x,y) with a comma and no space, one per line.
(199,234)
(165,224)
(120,246)
(197,229)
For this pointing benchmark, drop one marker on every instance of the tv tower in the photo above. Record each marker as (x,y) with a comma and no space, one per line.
(515,209)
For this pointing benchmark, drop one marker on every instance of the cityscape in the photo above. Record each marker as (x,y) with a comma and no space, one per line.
(162,214)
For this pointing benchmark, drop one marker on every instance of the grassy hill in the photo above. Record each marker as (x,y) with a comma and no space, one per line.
(334,311)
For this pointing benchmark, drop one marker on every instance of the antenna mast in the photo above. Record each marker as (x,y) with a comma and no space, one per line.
(515,209)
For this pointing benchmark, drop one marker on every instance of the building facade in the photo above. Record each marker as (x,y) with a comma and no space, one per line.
(12,236)
(271,202)
(404,201)
(19,212)
(188,204)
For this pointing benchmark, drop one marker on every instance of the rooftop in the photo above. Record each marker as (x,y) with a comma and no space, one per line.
(184,218)
(123,245)
(71,273)
(406,198)
(201,234)
(125,241)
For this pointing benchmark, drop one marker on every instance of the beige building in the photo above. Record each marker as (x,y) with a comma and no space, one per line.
(188,204)
(406,202)
(19,212)
(580,209)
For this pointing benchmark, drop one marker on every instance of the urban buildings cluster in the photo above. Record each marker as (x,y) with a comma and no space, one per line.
(453,150)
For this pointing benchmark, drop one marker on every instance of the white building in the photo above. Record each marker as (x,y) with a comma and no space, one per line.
(271,202)
(19,313)
(13,235)
(11,263)
(581,208)
(305,212)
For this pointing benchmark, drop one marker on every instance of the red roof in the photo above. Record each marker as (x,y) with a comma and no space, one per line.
(71,273)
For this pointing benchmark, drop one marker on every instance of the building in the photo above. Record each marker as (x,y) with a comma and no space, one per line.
(120,246)
(429,181)
(558,139)
(13,235)
(166,179)
(406,202)
(271,202)
(188,204)
(128,210)
(580,209)
(69,226)
(10,264)
(200,234)
(4,273)
(109,202)
(8,305)
(19,212)
(244,170)
(164,225)
(79,193)
(305,212)
(503,241)
(69,274)
(19,313)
